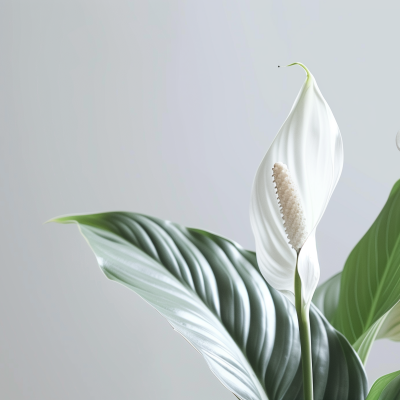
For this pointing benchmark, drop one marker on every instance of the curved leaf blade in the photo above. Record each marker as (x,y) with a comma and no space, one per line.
(370,281)
(212,292)
(386,387)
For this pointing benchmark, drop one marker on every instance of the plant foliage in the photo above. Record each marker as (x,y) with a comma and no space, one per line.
(212,292)
(362,301)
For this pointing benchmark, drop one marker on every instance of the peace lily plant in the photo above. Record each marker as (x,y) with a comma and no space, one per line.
(261,323)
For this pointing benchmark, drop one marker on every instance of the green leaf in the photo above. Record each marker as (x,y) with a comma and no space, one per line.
(326,296)
(211,291)
(369,285)
(386,388)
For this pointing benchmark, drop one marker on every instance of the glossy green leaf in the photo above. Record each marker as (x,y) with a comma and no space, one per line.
(386,388)
(212,292)
(369,286)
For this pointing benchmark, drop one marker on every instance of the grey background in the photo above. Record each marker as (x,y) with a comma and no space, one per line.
(165,107)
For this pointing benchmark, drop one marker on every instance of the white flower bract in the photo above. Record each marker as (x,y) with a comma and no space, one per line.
(310,144)
(290,205)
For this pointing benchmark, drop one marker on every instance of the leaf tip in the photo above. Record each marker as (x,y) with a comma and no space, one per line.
(61,220)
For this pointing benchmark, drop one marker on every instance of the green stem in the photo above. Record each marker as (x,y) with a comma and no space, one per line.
(303,316)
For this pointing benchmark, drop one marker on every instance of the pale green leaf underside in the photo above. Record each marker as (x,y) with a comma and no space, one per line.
(212,292)
(386,388)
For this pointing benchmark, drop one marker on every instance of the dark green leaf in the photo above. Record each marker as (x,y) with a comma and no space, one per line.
(212,292)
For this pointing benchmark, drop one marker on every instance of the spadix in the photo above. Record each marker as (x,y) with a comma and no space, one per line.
(290,205)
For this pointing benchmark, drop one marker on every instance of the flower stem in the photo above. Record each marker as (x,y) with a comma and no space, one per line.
(303,316)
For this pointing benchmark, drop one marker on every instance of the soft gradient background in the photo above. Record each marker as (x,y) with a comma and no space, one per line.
(165,107)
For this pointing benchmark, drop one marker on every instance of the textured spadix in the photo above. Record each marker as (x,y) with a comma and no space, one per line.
(310,144)
(290,204)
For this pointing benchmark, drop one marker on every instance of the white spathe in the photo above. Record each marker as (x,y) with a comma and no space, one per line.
(310,144)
